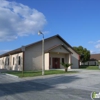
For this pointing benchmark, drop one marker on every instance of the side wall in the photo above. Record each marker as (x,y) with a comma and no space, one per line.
(8,63)
(90,63)
(15,65)
(33,57)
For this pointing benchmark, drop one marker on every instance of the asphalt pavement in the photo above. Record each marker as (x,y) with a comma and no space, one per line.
(77,86)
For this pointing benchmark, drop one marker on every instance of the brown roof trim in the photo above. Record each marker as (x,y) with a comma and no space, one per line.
(11,52)
(95,56)
(56,47)
(19,49)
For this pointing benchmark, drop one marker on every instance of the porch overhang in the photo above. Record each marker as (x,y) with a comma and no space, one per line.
(57,46)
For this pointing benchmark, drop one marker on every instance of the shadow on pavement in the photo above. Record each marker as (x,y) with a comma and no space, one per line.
(34,85)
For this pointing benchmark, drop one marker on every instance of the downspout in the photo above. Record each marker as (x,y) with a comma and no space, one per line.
(79,60)
(23,59)
(23,50)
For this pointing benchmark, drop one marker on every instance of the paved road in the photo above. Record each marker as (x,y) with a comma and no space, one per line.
(58,87)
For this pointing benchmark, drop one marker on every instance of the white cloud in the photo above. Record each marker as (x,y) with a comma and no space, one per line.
(3,51)
(98,41)
(91,42)
(19,20)
(97,46)
(94,52)
(91,51)
(46,32)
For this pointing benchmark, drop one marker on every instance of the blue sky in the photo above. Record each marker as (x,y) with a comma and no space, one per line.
(77,21)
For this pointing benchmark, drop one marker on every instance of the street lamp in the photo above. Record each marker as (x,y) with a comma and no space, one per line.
(39,33)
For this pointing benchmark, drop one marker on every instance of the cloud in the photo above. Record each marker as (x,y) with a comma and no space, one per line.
(46,32)
(91,42)
(94,52)
(94,42)
(97,46)
(19,20)
(98,41)
(3,51)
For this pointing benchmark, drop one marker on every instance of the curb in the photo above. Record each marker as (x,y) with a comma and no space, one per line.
(11,75)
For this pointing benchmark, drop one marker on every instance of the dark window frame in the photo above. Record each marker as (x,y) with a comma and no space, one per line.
(63,60)
(13,60)
(8,61)
(19,60)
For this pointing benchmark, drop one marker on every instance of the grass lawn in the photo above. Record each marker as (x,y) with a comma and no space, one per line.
(39,73)
(90,67)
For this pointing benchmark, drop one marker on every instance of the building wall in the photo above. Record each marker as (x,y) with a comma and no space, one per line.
(5,64)
(15,65)
(90,63)
(1,63)
(33,57)
(33,54)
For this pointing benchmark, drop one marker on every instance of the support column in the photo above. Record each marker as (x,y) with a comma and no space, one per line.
(46,61)
(69,61)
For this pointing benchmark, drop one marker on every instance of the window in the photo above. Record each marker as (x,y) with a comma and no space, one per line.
(5,61)
(49,60)
(8,61)
(19,60)
(62,60)
(13,60)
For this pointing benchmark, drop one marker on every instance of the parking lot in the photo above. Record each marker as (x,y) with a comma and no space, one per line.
(77,86)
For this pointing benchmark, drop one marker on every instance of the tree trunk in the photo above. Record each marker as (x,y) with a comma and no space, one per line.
(66,69)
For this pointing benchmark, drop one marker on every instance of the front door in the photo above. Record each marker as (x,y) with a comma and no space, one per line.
(56,63)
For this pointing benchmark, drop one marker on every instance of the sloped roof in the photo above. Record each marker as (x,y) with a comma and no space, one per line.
(94,57)
(20,50)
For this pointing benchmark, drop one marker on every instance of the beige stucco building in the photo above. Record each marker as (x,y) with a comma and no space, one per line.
(93,61)
(56,51)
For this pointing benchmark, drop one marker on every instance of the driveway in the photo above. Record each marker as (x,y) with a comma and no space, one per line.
(76,86)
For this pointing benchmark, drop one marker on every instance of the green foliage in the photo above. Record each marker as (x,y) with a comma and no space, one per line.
(80,50)
(66,65)
(38,73)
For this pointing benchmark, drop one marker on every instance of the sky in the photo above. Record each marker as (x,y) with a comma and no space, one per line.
(76,21)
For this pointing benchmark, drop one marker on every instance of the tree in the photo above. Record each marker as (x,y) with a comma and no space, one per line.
(66,65)
(83,52)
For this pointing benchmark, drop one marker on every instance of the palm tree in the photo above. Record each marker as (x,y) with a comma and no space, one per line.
(66,65)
